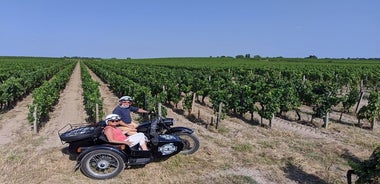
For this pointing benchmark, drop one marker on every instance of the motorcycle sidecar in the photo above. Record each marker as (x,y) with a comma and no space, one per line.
(99,159)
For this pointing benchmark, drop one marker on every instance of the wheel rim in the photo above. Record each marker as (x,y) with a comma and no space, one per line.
(102,164)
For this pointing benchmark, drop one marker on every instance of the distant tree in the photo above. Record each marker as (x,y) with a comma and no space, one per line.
(312,57)
(248,56)
(239,56)
(257,56)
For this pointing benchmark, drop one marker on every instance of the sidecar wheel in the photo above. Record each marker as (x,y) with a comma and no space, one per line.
(102,164)
(191,143)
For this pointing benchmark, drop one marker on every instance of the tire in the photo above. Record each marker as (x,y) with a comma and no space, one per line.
(190,141)
(102,164)
(78,134)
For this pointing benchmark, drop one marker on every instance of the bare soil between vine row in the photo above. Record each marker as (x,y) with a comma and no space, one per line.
(239,151)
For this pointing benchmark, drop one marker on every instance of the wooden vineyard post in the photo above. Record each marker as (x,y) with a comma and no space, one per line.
(192,103)
(361,86)
(219,115)
(360,100)
(35,120)
(373,122)
(326,120)
(96,113)
(159,109)
(270,121)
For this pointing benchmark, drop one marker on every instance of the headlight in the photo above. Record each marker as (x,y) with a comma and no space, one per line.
(167,149)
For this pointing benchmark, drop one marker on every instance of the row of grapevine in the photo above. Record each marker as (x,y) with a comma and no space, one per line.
(121,86)
(267,90)
(18,66)
(91,95)
(24,77)
(163,86)
(47,95)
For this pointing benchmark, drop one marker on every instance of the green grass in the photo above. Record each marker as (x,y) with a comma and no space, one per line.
(244,147)
(269,144)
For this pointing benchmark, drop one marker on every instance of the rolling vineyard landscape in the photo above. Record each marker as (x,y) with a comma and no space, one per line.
(282,120)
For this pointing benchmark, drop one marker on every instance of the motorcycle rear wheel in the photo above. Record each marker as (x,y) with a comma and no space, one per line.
(102,164)
(190,141)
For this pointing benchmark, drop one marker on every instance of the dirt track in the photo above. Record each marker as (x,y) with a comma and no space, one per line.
(40,159)
(15,121)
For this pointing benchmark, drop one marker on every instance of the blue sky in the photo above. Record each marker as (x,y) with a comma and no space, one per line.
(193,28)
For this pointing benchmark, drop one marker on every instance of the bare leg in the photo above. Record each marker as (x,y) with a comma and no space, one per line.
(143,146)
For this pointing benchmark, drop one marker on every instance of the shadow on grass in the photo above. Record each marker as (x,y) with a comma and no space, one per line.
(297,174)
(251,121)
(350,157)
(65,151)
(179,111)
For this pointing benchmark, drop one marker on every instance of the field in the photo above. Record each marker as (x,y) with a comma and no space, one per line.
(241,150)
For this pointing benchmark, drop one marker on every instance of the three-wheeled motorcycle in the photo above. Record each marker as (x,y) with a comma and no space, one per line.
(98,158)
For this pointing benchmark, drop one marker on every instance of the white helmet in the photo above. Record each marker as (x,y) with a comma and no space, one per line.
(112,117)
(125,98)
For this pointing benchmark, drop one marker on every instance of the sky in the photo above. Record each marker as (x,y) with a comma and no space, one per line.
(190,28)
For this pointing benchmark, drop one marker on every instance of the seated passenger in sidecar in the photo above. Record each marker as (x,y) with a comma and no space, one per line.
(115,135)
(83,137)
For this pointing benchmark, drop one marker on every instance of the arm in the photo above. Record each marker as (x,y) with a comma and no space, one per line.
(142,111)
(128,129)
(122,123)
(138,110)
(131,126)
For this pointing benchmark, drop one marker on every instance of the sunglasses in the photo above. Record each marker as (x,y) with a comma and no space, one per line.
(114,120)
(126,102)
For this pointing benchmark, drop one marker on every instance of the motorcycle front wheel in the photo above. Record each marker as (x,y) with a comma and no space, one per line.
(102,164)
(190,141)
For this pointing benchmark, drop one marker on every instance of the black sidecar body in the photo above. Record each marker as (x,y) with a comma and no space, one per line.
(99,159)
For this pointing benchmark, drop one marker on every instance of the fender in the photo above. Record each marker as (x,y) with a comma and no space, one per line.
(180,129)
(101,147)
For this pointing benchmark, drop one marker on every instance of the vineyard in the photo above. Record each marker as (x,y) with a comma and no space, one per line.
(283,120)
(270,88)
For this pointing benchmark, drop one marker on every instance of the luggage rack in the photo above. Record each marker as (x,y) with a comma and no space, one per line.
(72,130)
